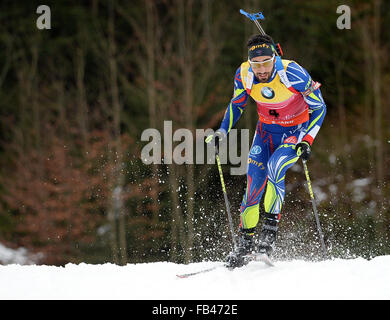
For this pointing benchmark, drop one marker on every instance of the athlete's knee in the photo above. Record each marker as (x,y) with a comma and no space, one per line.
(281,160)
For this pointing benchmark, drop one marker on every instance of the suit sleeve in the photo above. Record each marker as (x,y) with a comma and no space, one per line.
(237,104)
(302,82)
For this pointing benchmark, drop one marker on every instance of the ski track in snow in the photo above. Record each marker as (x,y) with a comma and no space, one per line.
(331,279)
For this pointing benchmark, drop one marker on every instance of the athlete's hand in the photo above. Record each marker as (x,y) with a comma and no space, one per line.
(216,137)
(303,150)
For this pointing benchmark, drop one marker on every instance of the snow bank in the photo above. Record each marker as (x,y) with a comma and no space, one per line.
(20,256)
(331,279)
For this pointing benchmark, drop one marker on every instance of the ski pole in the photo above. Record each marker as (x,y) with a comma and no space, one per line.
(314,208)
(226,198)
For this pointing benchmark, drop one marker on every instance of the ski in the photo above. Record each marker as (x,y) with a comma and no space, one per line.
(260,257)
(186,275)
(251,257)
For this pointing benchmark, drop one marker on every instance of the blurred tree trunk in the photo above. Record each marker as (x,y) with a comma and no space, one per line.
(33,88)
(380,227)
(377,78)
(28,97)
(177,227)
(151,89)
(185,55)
(344,143)
(29,133)
(8,42)
(59,87)
(368,93)
(341,111)
(82,109)
(117,181)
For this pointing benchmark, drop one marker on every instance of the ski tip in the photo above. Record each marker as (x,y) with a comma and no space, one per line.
(266,260)
(263,258)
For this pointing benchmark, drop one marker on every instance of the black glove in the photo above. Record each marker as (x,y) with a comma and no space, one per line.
(303,150)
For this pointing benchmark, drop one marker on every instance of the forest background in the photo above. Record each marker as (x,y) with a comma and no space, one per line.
(75,99)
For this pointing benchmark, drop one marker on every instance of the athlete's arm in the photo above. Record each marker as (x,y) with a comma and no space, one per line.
(302,82)
(237,105)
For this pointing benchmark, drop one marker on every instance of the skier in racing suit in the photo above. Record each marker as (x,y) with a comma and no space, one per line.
(291,110)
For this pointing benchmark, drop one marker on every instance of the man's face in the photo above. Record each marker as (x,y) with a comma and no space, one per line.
(263,71)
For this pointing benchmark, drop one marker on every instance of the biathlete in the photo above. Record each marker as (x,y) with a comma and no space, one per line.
(291,110)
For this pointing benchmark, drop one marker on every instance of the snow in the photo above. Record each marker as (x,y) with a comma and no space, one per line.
(297,279)
(19,255)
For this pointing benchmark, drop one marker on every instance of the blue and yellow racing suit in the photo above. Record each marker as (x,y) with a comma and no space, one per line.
(287,116)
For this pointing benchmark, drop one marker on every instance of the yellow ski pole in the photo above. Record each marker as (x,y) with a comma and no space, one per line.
(227,204)
(314,208)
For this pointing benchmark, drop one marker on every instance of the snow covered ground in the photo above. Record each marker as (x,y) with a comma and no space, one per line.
(332,279)
(19,256)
